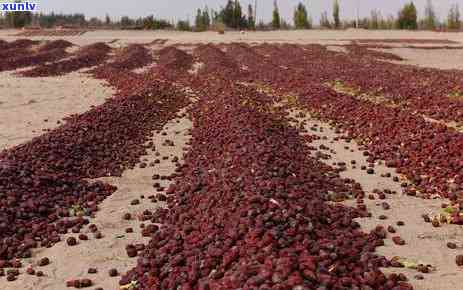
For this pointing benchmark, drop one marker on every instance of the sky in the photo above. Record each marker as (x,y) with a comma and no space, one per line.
(183,9)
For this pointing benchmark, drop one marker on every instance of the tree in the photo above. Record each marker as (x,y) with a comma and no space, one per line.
(126,22)
(107,20)
(231,15)
(199,21)
(148,22)
(162,24)
(324,21)
(227,13)
(251,20)
(52,19)
(183,25)
(300,17)
(2,20)
(453,20)
(206,18)
(430,19)
(18,19)
(276,21)
(389,23)
(375,19)
(95,22)
(337,21)
(237,15)
(202,19)
(407,17)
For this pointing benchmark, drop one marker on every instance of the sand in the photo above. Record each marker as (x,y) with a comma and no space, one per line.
(25,104)
(298,36)
(434,58)
(30,105)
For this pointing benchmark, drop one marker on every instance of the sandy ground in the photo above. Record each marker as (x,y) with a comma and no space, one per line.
(434,58)
(299,36)
(444,59)
(30,105)
(69,263)
(424,243)
(25,104)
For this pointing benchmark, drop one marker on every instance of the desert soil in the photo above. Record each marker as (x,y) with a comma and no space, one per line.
(28,106)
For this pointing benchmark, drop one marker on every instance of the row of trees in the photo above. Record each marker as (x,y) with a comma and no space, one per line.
(22,19)
(408,19)
(336,23)
(453,21)
(232,16)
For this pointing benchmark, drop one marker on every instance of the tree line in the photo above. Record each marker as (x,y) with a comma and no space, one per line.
(27,19)
(234,16)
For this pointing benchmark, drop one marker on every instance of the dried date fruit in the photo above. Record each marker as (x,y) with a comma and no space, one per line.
(44,262)
(71,241)
(459,260)
(451,245)
(113,273)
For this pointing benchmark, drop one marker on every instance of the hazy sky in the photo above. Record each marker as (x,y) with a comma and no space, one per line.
(176,9)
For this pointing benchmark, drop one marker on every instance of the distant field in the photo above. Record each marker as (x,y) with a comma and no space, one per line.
(300,36)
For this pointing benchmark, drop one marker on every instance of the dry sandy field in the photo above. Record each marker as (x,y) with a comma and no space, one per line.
(257,160)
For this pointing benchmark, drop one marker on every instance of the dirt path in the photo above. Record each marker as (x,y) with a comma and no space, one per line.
(424,243)
(68,263)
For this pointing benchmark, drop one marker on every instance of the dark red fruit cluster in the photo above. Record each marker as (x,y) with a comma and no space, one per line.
(405,140)
(87,56)
(129,58)
(32,59)
(20,53)
(102,141)
(218,63)
(16,48)
(44,180)
(51,32)
(173,59)
(249,210)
